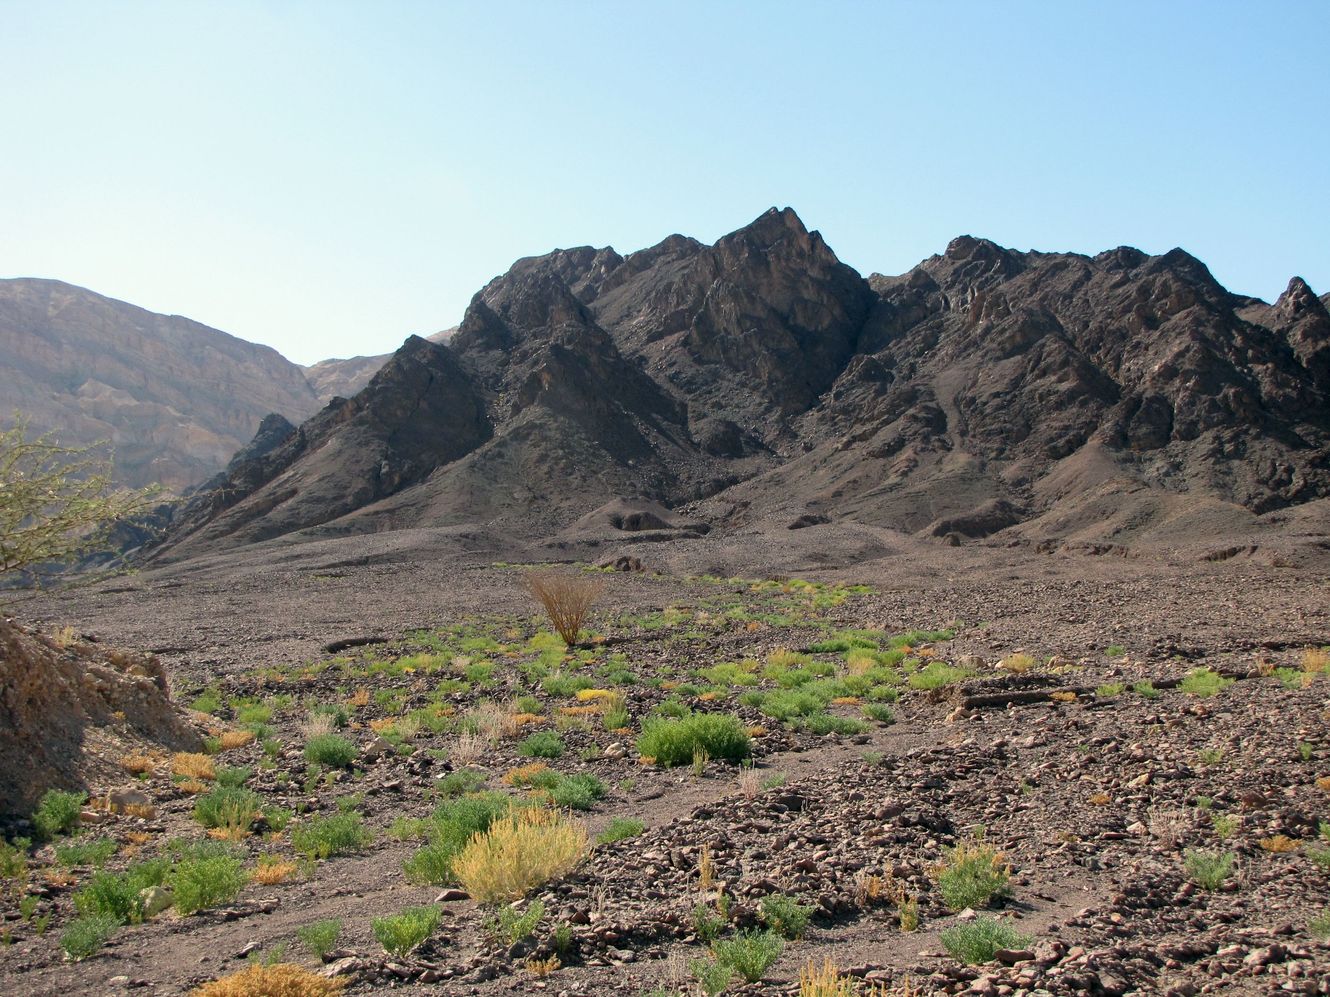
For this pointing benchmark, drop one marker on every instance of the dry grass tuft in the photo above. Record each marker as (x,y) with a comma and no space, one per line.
(466,749)
(1279,843)
(138,837)
(191,786)
(358,698)
(282,980)
(193,765)
(518,853)
(144,811)
(523,774)
(1323,783)
(567,600)
(1063,697)
(1017,664)
(523,719)
(540,968)
(273,869)
(139,764)
(1316,660)
(1100,800)
(755,731)
(236,739)
(706,870)
(824,982)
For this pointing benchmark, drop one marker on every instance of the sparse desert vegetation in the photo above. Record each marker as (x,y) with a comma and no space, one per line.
(736,780)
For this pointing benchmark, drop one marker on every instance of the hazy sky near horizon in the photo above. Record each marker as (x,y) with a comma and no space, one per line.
(329,177)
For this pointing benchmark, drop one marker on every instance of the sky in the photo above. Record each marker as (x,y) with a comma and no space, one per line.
(328,178)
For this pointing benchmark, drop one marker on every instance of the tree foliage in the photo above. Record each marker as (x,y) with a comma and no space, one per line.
(57,503)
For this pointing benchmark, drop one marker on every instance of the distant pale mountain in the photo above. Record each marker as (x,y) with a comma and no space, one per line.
(1091,399)
(176,399)
(343,378)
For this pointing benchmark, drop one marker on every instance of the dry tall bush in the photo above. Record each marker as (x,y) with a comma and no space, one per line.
(518,853)
(567,600)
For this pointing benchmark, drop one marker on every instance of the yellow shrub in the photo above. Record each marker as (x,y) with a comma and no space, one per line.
(138,764)
(1315,660)
(1323,783)
(755,731)
(518,853)
(522,719)
(193,765)
(282,980)
(523,774)
(586,695)
(273,869)
(824,982)
(359,698)
(191,786)
(1279,843)
(236,739)
(1064,697)
(1017,663)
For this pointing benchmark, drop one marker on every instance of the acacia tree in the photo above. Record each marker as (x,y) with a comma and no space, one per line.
(57,503)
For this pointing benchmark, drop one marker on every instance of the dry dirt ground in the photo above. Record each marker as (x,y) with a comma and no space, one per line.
(1094,787)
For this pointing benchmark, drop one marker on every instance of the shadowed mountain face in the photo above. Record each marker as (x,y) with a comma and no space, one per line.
(985,390)
(174,398)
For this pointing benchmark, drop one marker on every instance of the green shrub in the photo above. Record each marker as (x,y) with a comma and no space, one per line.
(337,834)
(706,925)
(785,916)
(577,792)
(57,813)
(320,937)
(619,829)
(338,713)
(972,874)
(206,881)
(86,935)
(829,723)
(565,685)
(678,709)
(116,895)
(1319,926)
(405,932)
(748,954)
(228,806)
(1204,682)
(881,713)
(236,775)
(938,675)
(711,976)
(330,749)
(1146,689)
(786,703)
(510,926)
(13,859)
(94,852)
(1208,870)
(542,744)
(451,827)
(675,742)
(979,940)
(459,783)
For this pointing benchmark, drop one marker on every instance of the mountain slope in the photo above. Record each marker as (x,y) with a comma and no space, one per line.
(174,397)
(984,391)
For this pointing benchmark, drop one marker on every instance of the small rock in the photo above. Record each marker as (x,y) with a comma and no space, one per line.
(450,895)
(155,899)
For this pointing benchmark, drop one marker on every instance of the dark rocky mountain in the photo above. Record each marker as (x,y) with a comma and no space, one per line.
(174,398)
(342,378)
(760,380)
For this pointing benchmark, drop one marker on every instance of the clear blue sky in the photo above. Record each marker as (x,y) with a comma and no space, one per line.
(330,177)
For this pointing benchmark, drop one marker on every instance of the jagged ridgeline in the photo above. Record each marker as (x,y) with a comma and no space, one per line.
(1049,395)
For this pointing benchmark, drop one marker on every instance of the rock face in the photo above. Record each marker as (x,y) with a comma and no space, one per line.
(174,397)
(343,378)
(986,391)
(67,713)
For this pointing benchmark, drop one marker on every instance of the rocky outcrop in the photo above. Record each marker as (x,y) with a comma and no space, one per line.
(70,709)
(174,398)
(985,392)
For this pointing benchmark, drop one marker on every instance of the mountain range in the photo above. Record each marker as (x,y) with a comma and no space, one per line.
(174,398)
(1092,399)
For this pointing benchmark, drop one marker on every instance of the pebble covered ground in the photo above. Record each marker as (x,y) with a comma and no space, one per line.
(1108,776)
